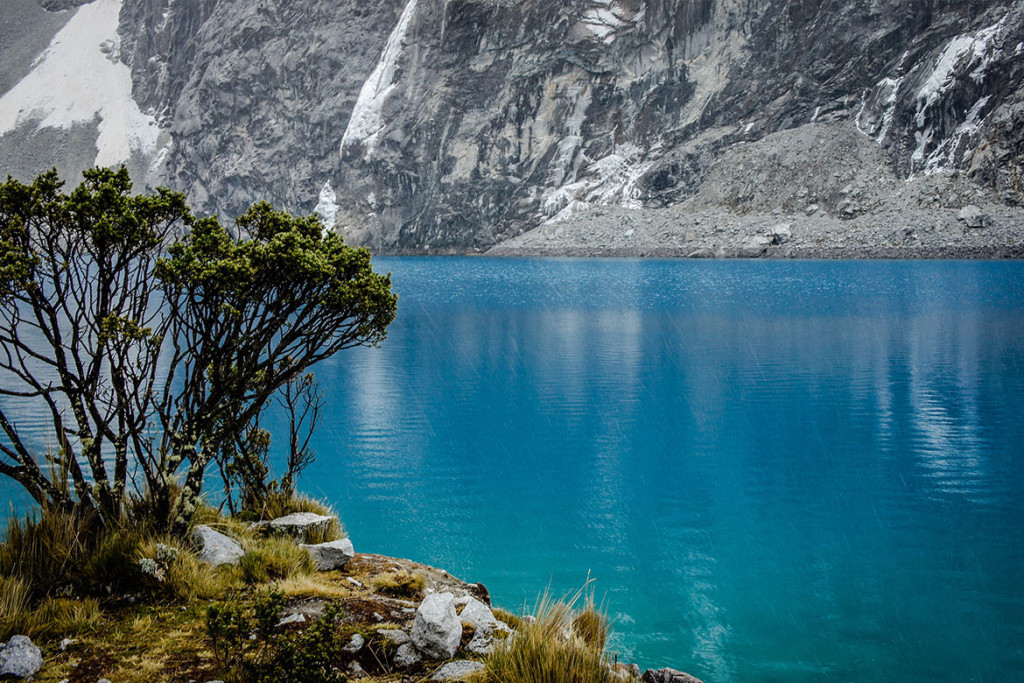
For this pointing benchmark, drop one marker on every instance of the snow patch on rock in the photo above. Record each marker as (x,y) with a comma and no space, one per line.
(79,79)
(367,120)
(604,20)
(327,207)
(966,54)
(612,180)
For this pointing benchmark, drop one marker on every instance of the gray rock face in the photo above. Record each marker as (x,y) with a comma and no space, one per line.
(480,615)
(331,555)
(214,547)
(20,658)
(301,525)
(667,676)
(407,655)
(436,630)
(416,125)
(458,670)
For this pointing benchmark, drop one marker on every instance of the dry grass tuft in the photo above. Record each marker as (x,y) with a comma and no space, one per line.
(273,559)
(561,646)
(400,584)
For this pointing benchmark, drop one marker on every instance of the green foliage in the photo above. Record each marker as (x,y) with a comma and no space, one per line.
(274,558)
(561,646)
(250,647)
(171,335)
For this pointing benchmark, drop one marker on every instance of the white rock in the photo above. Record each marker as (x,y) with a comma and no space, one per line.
(757,241)
(299,525)
(214,547)
(295,618)
(457,670)
(482,643)
(355,644)
(972,216)
(406,656)
(479,614)
(436,630)
(781,232)
(20,658)
(331,555)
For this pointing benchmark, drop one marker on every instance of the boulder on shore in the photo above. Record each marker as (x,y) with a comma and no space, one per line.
(20,658)
(436,630)
(331,555)
(301,525)
(972,216)
(214,547)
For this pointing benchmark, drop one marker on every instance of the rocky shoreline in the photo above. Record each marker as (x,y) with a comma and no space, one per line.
(393,620)
(786,197)
(709,233)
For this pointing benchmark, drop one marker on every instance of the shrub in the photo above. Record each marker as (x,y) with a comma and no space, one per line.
(113,563)
(550,650)
(274,558)
(401,584)
(250,646)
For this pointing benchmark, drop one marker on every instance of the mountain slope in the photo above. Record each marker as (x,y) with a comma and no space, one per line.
(431,125)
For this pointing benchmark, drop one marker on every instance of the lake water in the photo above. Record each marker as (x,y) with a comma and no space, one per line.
(773,471)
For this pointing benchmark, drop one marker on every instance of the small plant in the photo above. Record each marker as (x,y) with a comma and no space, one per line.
(400,584)
(249,645)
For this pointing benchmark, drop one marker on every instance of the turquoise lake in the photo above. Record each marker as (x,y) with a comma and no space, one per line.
(772,471)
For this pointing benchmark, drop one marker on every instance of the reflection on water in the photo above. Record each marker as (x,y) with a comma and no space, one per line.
(774,471)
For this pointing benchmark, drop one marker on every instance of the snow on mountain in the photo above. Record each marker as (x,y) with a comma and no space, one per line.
(79,79)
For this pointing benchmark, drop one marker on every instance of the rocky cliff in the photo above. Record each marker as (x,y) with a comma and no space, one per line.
(452,125)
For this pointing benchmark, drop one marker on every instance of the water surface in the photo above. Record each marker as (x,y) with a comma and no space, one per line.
(775,471)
